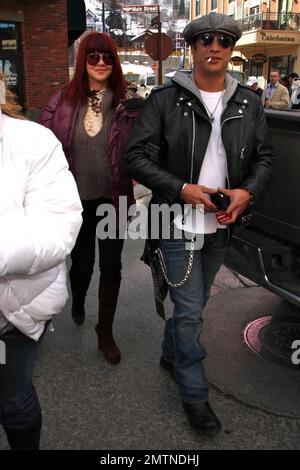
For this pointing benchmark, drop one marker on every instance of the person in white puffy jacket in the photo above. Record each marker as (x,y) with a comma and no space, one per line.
(40,217)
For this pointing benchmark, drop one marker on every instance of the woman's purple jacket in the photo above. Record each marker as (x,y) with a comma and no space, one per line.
(60,117)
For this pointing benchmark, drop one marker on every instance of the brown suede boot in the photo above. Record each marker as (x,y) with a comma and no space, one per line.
(108,297)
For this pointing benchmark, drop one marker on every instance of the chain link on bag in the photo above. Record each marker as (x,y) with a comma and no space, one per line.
(188,269)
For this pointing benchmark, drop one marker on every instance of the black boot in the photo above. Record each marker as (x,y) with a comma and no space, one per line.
(78,310)
(201,416)
(108,297)
(25,437)
(78,299)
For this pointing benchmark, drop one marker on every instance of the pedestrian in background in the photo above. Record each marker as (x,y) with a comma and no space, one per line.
(253,84)
(40,217)
(92,117)
(295,93)
(284,81)
(277,95)
(195,135)
(291,77)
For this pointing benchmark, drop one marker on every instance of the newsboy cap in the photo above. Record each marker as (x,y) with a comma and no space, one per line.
(212,22)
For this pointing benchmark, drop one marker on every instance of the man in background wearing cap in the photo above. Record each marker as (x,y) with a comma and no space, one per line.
(196,134)
(253,84)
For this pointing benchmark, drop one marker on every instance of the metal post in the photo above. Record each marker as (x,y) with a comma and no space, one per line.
(159,45)
(103,17)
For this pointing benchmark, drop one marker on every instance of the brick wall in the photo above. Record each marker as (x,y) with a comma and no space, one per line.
(45,46)
(11,6)
(45,49)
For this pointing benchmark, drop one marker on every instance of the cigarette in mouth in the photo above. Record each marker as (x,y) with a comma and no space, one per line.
(209,59)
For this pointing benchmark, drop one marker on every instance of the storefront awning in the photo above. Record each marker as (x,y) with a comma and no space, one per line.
(76,19)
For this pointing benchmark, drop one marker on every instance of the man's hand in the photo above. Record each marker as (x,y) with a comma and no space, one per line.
(268,103)
(195,194)
(239,202)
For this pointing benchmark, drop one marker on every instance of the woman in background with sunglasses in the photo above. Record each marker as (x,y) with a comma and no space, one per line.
(92,117)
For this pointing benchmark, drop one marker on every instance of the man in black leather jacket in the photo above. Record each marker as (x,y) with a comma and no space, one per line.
(198,135)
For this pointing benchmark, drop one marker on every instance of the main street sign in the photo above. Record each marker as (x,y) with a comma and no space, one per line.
(141,9)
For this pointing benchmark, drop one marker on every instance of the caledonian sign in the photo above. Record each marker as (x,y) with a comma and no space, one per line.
(276,37)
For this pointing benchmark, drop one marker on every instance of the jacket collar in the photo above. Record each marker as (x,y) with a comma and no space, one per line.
(233,93)
(187,82)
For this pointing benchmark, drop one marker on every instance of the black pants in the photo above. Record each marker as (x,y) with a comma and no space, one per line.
(83,254)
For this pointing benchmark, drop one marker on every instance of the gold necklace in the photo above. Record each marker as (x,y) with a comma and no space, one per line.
(211,114)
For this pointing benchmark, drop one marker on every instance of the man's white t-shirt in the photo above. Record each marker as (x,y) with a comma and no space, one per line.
(213,171)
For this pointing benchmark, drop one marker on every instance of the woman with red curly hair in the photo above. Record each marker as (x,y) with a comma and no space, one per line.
(92,117)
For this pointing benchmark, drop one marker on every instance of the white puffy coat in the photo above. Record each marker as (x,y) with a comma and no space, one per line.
(40,217)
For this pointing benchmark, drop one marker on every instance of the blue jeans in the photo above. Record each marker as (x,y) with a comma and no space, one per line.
(19,403)
(181,345)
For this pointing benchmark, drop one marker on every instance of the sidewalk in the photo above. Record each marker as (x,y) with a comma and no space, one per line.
(89,404)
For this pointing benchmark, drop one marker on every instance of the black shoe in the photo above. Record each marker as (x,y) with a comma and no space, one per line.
(167,365)
(25,437)
(201,416)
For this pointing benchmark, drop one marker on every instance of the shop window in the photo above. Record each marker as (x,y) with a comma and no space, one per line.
(285,64)
(254,10)
(8,37)
(11,59)
(198,7)
(251,68)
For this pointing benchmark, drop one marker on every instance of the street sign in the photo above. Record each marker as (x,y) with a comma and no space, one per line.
(259,58)
(141,9)
(166,46)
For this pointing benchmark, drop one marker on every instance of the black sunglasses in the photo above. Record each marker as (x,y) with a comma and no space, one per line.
(224,40)
(94,57)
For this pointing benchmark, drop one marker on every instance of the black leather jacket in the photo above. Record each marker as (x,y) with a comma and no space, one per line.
(168,143)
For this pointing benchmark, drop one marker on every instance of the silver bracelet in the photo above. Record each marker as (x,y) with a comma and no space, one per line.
(185,184)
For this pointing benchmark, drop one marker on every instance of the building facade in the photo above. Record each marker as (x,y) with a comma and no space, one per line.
(34,39)
(271,33)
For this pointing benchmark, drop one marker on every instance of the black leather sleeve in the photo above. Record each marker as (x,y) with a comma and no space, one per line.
(146,154)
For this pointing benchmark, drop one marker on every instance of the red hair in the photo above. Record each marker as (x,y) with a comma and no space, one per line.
(78,88)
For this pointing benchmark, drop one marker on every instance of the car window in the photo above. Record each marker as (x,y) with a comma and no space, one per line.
(151,80)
